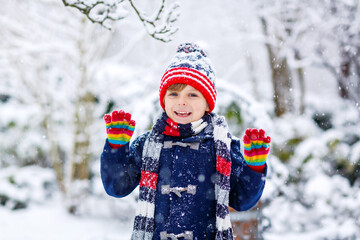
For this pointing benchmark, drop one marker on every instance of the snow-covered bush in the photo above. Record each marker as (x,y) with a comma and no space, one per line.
(313,185)
(22,141)
(20,187)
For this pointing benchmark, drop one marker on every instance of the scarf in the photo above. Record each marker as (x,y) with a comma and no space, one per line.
(144,224)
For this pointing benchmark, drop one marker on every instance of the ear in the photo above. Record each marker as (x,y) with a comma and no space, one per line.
(207,108)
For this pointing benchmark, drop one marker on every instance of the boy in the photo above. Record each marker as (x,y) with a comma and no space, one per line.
(188,166)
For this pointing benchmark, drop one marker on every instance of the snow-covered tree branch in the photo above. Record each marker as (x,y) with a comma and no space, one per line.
(100,12)
(158,25)
(341,32)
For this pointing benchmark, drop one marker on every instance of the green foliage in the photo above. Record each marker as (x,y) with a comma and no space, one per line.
(109,107)
(11,124)
(286,151)
(3,199)
(341,162)
(234,117)
(11,179)
(233,113)
(345,169)
(333,144)
(307,159)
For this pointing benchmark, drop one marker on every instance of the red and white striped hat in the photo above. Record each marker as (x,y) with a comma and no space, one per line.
(190,66)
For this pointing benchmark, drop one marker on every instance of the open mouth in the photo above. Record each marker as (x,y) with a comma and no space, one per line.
(182,114)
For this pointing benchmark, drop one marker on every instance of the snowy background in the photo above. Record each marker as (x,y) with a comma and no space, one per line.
(290,67)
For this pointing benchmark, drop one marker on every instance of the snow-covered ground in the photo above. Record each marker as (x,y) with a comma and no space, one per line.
(51,221)
(35,209)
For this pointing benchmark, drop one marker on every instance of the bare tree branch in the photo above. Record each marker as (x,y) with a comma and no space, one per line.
(160,27)
(155,27)
(99,12)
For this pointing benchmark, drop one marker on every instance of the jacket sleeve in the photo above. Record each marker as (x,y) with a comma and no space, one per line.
(246,185)
(121,168)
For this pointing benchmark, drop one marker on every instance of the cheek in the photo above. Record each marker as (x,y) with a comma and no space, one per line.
(168,103)
(205,106)
(168,112)
(202,108)
(168,106)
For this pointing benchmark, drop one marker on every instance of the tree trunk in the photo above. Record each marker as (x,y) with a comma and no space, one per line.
(281,78)
(78,188)
(301,78)
(54,152)
(349,79)
(345,67)
(81,157)
(82,121)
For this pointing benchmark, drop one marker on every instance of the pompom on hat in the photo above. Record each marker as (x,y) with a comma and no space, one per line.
(190,66)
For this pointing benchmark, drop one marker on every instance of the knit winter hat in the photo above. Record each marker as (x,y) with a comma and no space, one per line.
(190,66)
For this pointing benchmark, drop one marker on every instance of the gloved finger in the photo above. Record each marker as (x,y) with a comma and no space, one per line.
(261,134)
(254,134)
(246,139)
(121,115)
(115,116)
(132,123)
(267,139)
(127,117)
(107,118)
(248,132)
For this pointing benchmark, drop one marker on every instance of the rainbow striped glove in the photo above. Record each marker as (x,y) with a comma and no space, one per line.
(119,128)
(256,148)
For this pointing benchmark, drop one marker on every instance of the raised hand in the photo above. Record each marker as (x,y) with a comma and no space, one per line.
(256,148)
(119,128)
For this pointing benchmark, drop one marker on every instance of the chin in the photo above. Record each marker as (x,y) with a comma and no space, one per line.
(182,121)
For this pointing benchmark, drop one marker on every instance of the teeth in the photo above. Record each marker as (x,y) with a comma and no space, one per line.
(182,113)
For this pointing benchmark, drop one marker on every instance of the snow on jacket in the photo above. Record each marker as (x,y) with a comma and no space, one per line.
(191,162)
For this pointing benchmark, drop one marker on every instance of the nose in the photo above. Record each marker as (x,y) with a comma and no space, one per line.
(182,100)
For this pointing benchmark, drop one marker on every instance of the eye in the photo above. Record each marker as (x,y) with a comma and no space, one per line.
(193,95)
(174,94)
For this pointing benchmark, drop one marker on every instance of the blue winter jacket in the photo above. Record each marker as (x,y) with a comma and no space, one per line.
(180,166)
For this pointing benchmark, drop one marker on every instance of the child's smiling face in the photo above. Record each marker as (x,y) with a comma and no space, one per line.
(185,106)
